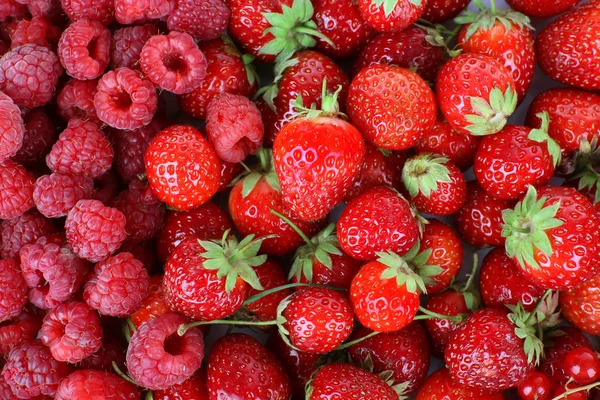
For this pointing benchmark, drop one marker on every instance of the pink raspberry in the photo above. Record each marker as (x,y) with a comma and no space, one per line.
(54,195)
(34,31)
(29,75)
(94,231)
(76,100)
(118,286)
(106,187)
(158,357)
(21,231)
(72,332)
(16,190)
(112,350)
(203,19)
(130,147)
(31,370)
(234,127)
(49,9)
(81,149)
(96,10)
(11,8)
(125,100)
(173,62)
(127,43)
(90,384)
(130,11)
(22,329)
(84,49)
(38,137)
(13,290)
(11,128)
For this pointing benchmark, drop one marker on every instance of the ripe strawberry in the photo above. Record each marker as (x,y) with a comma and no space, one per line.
(573,36)
(440,386)
(194,388)
(558,344)
(579,306)
(476,93)
(348,382)
(270,275)
(542,8)
(438,11)
(391,15)
(553,234)
(436,186)
(154,304)
(381,105)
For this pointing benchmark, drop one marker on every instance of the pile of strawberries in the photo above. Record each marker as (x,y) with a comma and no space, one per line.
(154,196)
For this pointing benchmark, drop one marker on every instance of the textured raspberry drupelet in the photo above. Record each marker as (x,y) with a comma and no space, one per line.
(173,62)
(76,100)
(84,49)
(72,332)
(31,370)
(16,190)
(234,127)
(23,230)
(129,11)
(143,211)
(130,147)
(11,8)
(90,384)
(118,286)
(49,9)
(54,195)
(158,357)
(126,45)
(106,187)
(81,149)
(13,290)
(94,231)
(29,75)
(203,19)
(12,128)
(22,329)
(97,10)
(38,137)
(125,100)
(35,31)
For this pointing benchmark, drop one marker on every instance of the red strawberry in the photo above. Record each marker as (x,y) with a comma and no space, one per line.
(579,306)
(587,183)
(270,275)
(440,386)
(558,344)
(542,8)
(154,304)
(476,93)
(553,235)
(438,11)
(391,15)
(348,382)
(573,36)
(381,105)
(194,388)
(436,186)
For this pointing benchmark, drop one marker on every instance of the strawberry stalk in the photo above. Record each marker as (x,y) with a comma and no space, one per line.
(268,292)
(433,315)
(122,374)
(185,327)
(295,228)
(356,341)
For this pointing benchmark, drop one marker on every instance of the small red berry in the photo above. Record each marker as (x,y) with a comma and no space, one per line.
(84,49)
(582,365)
(535,387)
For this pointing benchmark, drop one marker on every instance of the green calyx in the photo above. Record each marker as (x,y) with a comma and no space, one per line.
(422,173)
(401,389)
(247,60)
(491,116)
(540,135)
(400,270)
(590,180)
(270,92)
(435,36)
(468,289)
(293,29)
(417,261)
(525,228)
(263,169)
(320,248)
(526,329)
(485,18)
(389,5)
(329,105)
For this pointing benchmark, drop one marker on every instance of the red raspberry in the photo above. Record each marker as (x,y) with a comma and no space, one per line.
(34,31)
(22,329)
(54,195)
(16,190)
(130,11)
(49,9)
(118,286)
(130,147)
(29,75)
(13,290)
(127,43)
(158,357)
(173,62)
(106,187)
(125,100)
(112,350)
(39,135)
(144,252)
(76,100)
(84,49)
(203,19)
(21,231)
(97,10)
(234,127)
(90,384)
(11,8)
(93,230)
(81,149)
(11,128)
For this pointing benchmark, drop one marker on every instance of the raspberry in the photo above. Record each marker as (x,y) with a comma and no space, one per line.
(49,9)
(11,128)
(22,329)
(54,195)
(173,62)
(23,230)
(16,190)
(32,31)
(127,43)
(29,75)
(143,211)
(130,11)
(106,187)
(111,350)
(11,8)
(130,147)
(96,10)
(118,286)
(39,135)
(158,357)
(234,127)
(125,100)
(90,384)
(84,49)
(144,252)
(202,19)
(13,290)
(81,149)
(76,100)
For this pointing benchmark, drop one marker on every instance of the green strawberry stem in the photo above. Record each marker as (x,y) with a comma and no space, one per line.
(265,293)
(471,278)
(329,104)
(434,315)
(295,228)
(355,341)
(577,389)
(149,395)
(533,314)
(184,328)
(122,374)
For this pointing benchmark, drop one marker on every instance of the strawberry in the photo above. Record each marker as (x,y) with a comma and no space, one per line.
(508,162)
(153,305)
(239,355)
(391,15)
(580,306)
(317,157)
(381,105)
(378,220)
(440,386)
(438,11)
(573,36)
(194,388)
(542,8)
(505,35)
(270,275)
(587,182)
(476,93)
(552,234)
(182,168)
(229,171)
(436,186)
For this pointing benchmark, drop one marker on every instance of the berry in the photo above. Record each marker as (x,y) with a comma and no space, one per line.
(54,195)
(535,387)
(38,137)
(193,388)
(580,305)
(97,10)
(13,290)
(35,31)
(270,275)
(144,213)
(21,231)
(443,10)
(153,305)
(130,147)
(22,329)
(564,339)
(112,349)
(16,190)
(542,8)
(389,16)
(11,8)
(90,384)
(440,386)
(444,140)
(106,187)
(12,128)
(129,11)
(76,100)
(202,19)
(582,365)
(84,49)
(127,43)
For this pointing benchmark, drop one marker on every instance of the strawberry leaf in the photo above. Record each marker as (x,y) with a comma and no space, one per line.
(491,114)
(422,173)
(399,270)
